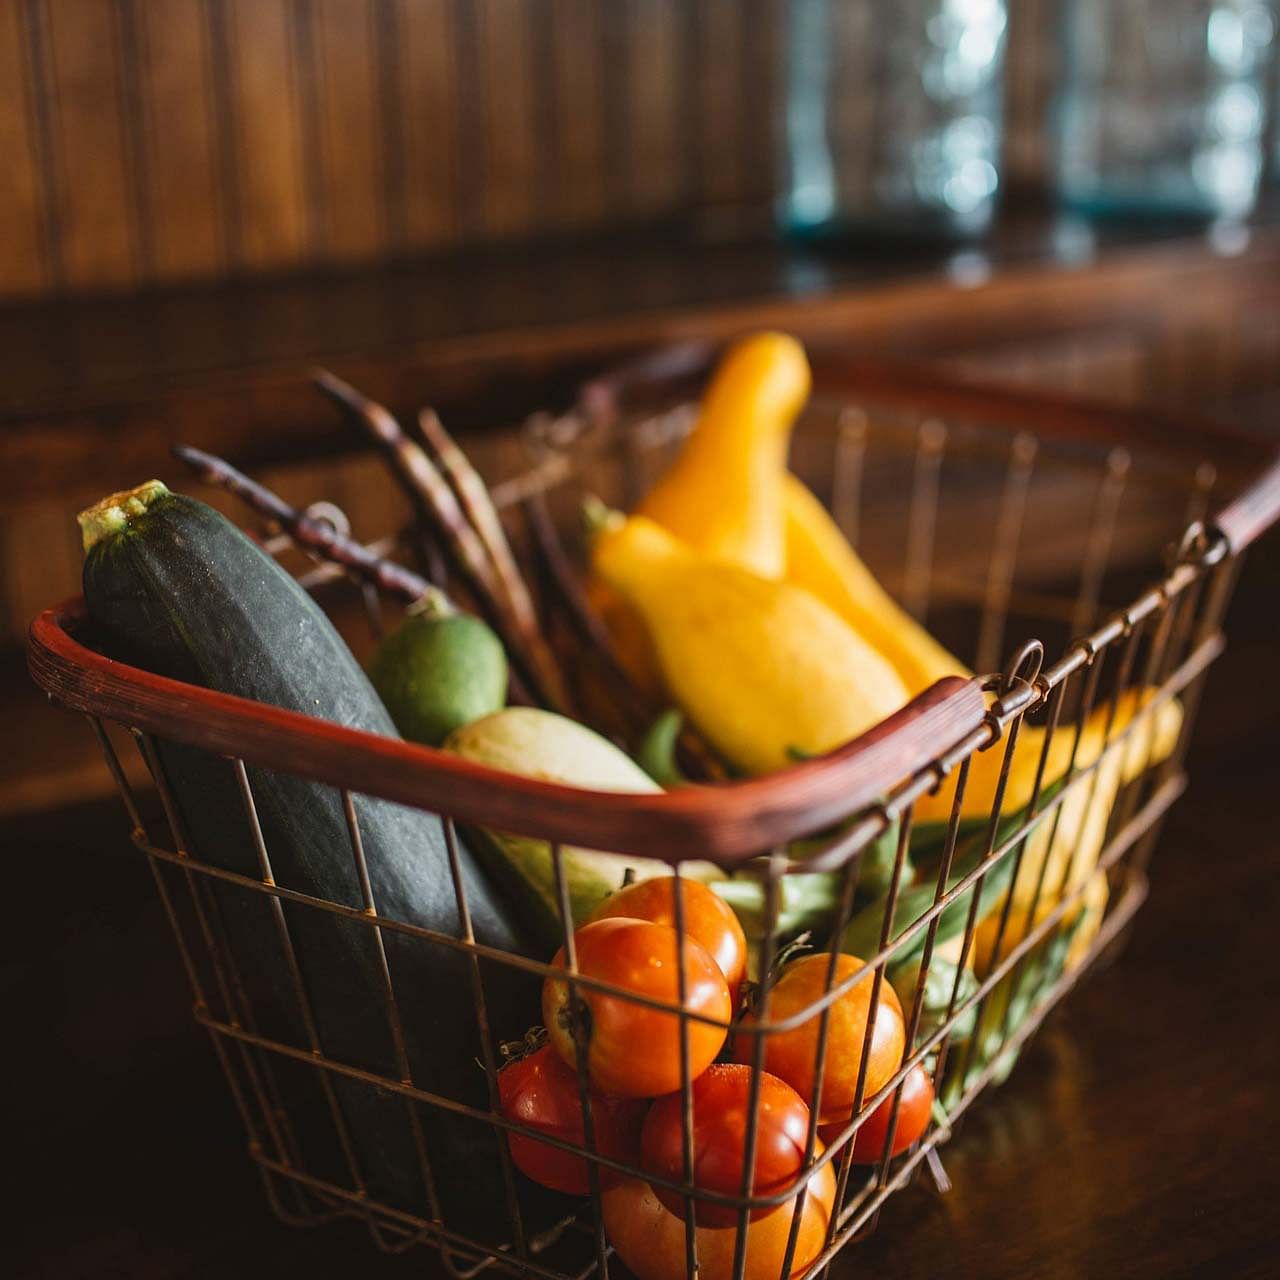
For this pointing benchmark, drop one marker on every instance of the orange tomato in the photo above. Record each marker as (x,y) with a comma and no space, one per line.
(708,919)
(634,1051)
(914,1110)
(791,1055)
(650,1239)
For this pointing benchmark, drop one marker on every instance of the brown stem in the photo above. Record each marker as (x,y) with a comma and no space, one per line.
(474,499)
(437,507)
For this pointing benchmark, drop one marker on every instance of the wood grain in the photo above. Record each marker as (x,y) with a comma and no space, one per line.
(23,267)
(266,119)
(97,219)
(578,75)
(351,162)
(179,118)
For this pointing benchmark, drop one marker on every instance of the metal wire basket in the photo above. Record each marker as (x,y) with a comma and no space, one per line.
(1000,516)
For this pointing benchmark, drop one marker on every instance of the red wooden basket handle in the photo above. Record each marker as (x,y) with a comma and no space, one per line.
(726,823)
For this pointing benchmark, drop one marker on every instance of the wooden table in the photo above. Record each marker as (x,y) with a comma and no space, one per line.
(1136,1138)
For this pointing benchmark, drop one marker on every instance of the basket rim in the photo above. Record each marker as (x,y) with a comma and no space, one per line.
(727,823)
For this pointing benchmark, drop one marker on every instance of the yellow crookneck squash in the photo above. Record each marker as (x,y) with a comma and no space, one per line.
(762,668)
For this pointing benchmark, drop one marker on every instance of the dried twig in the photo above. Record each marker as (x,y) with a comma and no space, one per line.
(309,533)
(474,499)
(324,540)
(436,505)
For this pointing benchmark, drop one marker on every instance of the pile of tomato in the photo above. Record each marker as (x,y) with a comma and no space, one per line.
(631,1057)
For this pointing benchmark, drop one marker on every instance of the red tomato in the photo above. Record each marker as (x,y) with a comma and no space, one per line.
(540,1090)
(913,1119)
(720,1098)
(650,1241)
(792,1054)
(708,919)
(632,1050)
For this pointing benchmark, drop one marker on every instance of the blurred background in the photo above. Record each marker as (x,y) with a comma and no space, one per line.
(478,203)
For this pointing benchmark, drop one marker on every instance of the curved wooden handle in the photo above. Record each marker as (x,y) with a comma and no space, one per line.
(727,823)
(1253,512)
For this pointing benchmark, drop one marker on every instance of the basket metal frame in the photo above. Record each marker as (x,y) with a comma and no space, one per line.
(1165,639)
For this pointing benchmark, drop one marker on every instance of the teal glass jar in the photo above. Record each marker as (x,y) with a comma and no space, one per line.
(1162,109)
(893,116)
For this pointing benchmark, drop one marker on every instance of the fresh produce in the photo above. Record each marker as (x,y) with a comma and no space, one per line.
(820,559)
(737,453)
(914,1110)
(174,587)
(721,1101)
(708,919)
(762,668)
(540,744)
(944,969)
(632,1050)
(650,1239)
(1152,740)
(439,670)
(792,1054)
(541,1091)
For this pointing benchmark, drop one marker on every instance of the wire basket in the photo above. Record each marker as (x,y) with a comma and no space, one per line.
(996,515)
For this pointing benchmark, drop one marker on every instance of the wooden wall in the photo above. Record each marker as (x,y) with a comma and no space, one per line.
(153,141)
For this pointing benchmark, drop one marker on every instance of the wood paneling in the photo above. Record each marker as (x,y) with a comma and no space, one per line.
(22,260)
(151,142)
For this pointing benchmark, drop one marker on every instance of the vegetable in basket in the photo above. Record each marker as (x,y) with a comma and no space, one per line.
(439,670)
(174,587)
(552,748)
(629,1048)
(762,668)
(791,1054)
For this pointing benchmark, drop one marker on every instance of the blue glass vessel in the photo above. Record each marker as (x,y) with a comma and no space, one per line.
(892,116)
(1163,107)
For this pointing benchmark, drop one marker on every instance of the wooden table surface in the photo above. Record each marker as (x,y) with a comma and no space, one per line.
(1136,1138)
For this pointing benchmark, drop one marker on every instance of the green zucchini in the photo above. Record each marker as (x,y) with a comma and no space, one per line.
(174,587)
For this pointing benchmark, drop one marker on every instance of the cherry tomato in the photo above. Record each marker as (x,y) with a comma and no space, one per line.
(650,1240)
(632,1050)
(540,1090)
(720,1099)
(913,1119)
(708,919)
(791,1054)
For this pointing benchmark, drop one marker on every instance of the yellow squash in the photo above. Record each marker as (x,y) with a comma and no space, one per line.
(723,494)
(764,670)
(820,559)
(1151,742)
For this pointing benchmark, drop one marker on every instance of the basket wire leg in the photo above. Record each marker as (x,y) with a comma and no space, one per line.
(844,1204)
(767,954)
(1102,523)
(394,1019)
(486,1037)
(1056,699)
(686,1081)
(300,989)
(975,897)
(944,871)
(578,1026)
(922,518)
(175,925)
(849,887)
(846,483)
(1004,553)
(214,941)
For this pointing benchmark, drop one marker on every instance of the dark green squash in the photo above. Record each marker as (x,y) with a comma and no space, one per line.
(177,589)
